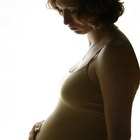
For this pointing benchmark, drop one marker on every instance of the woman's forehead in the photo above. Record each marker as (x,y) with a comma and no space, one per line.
(67,3)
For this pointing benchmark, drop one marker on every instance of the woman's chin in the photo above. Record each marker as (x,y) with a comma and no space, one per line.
(80,32)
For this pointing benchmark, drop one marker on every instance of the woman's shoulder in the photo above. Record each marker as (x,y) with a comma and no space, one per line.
(118,49)
(118,57)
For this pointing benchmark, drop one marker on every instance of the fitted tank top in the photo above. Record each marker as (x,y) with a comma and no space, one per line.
(79,114)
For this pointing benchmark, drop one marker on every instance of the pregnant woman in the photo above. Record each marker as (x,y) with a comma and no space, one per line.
(97,96)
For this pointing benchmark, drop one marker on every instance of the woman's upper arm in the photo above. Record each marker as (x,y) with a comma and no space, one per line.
(118,76)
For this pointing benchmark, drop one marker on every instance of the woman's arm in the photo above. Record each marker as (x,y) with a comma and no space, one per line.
(118,74)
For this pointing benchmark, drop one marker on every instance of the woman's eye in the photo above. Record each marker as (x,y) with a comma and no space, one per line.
(60,12)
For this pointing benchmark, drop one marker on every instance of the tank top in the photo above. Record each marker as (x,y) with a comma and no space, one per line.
(80,111)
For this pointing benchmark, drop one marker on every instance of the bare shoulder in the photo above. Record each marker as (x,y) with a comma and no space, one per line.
(118,60)
(119,50)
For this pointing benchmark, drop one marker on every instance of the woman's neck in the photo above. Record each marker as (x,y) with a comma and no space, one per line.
(97,35)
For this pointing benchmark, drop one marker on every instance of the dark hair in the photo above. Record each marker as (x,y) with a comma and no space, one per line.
(96,12)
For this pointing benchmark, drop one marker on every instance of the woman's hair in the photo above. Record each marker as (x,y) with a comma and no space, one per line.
(96,12)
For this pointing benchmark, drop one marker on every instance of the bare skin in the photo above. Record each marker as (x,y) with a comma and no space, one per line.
(117,76)
(115,72)
(35,129)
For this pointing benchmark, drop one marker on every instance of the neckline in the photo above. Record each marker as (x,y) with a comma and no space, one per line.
(90,54)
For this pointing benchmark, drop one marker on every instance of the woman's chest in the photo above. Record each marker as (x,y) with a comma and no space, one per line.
(77,89)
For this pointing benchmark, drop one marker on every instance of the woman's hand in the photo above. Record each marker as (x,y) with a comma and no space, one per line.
(35,130)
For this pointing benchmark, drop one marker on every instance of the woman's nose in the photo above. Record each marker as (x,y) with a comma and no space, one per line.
(67,18)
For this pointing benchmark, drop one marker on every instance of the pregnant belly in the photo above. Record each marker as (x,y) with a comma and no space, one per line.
(69,124)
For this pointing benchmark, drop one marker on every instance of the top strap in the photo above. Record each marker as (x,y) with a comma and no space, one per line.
(91,54)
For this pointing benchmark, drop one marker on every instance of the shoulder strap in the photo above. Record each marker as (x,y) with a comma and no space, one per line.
(91,54)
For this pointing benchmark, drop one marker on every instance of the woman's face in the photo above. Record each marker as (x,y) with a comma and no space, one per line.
(68,9)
